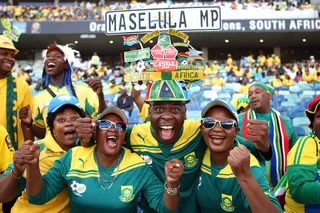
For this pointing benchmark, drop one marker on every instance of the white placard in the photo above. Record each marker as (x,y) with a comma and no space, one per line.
(195,19)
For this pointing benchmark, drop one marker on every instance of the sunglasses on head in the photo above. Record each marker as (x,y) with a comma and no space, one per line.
(106,124)
(209,123)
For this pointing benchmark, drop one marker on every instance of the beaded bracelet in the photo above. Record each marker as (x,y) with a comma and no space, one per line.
(172,191)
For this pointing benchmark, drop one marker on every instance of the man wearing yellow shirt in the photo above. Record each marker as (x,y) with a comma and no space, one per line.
(215,67)
(269,61)
(15,93)
(262,59)
(229,60)
(244,87)
(218,81)
(287,81)
(307,76)
(277,81)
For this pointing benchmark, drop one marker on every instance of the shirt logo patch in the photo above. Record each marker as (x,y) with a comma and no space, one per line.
(226,203)
(147,159)
(190,160)
(126,194)
(8,142)
(77,188)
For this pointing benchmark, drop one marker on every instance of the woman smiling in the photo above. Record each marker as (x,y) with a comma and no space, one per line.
(231,178)
(106,176)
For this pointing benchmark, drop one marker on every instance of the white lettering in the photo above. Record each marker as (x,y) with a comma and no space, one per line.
(232,26)
(292,25)
(93,26)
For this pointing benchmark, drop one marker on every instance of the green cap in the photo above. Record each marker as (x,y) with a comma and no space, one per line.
(264,86)
(167,90)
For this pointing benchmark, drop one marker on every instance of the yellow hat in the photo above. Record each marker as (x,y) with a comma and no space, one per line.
(6,43)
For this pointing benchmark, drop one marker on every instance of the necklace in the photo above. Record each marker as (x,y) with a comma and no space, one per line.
(107,181)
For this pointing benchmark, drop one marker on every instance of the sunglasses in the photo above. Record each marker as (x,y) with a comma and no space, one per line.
(106,124)
(209,123)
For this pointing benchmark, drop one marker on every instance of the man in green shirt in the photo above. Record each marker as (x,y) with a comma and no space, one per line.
(261,122)
(169,135)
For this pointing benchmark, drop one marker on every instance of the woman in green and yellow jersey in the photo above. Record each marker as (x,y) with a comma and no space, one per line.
(231,179)
(105,177)
(63,111)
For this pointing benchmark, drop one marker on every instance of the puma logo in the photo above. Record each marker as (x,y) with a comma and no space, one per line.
(82,161)
(142,137)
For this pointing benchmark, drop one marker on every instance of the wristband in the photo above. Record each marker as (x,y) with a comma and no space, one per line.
(172,191)
(29,126)
(14,176)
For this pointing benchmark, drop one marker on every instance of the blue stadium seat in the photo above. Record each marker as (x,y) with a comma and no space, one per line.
(295,89)
(194,114)
(300,121)
(300,131)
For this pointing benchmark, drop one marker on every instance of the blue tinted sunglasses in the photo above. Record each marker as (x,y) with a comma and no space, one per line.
(106,124)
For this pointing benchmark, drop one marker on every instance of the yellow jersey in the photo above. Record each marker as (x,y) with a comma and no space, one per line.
(87,97)
(24,98)
(218,82)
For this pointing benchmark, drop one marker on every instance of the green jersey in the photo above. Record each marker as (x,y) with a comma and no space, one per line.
(116,190)
(219,191)
(189,148)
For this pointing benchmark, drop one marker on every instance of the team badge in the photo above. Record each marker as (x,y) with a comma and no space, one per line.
(190,160)
(8,142)
(147,159)
(226,203)
(126,194)
(77,188)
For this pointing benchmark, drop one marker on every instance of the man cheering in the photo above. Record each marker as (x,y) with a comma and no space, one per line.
(263,123)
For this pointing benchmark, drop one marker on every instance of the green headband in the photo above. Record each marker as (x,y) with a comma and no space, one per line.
(264,86)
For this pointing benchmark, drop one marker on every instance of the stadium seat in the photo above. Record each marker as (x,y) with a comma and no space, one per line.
(295,89)
(300,131)
(216,88)
(288,104)
(194,114)
(224,95)
(209,94)
(300,121)
(284,92)
(134,120)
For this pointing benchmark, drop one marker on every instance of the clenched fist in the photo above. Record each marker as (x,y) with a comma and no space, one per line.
(85,129)
(30,152)
(96,85)
(173,170)
(239,161)
(25,115)
(258,134)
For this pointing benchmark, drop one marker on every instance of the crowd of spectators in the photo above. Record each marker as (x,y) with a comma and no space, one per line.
(95,11)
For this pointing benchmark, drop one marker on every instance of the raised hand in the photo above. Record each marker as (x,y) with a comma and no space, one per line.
(173,170)
(85,129)
(19,164)
(25,115)
(258,134)
(239,161)
(96,85)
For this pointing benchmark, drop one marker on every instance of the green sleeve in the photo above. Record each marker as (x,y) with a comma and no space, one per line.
(240,123)
(302,187)
(261,157)
(153,191)
(54,181)
(290,131)
(21,181)
(260,175)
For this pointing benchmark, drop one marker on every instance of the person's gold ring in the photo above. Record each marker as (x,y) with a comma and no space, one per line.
(177,165)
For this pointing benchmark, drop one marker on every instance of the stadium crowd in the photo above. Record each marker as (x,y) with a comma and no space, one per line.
(95,11)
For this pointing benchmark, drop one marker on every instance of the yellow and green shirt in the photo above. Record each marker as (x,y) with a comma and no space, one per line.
(24,98)
(303,174)
(219,191)
(50,151)
(144,113)
(87,97)
(6,150)
(79,172)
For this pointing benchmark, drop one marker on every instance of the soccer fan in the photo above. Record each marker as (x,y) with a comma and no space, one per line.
(303,176)
(231,179)
(113,174)
(58,68)
(263,123)
(63,111)
(15,93)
